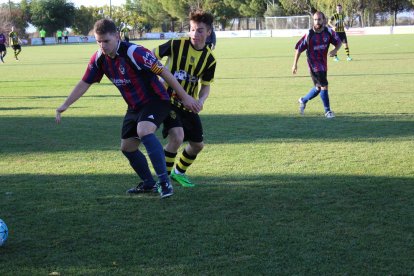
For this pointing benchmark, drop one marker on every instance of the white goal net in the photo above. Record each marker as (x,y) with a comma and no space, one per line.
(288,22)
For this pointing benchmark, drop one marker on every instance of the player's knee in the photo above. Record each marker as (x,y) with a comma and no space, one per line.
(129,145)
(176,139)
(197,147)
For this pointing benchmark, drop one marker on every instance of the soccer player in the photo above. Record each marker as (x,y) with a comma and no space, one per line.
(42,33)
(212,40)
(192,63)
(15,43)
(3,50)
(65,35)
(316,43)
(59,36)
(125,33)
(337,22)
(134,70)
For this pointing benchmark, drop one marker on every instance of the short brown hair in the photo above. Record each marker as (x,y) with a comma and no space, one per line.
(104,26)
(202,17)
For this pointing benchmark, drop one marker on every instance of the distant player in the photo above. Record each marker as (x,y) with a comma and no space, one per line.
(15,43)
(42,33)
(134,70)
(59,36)
(192,63)
(316,43)
(3,50)
(65,35)
(337,22)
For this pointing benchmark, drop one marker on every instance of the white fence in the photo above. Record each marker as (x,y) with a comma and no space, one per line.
(290,33)
(71,39)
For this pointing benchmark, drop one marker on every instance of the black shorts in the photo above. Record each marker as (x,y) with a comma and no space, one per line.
(154,111)
(342,37)
(16,47)
(2,48)
(189,121)
(319,78)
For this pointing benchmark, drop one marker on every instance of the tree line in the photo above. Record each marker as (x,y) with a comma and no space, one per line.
(171,15)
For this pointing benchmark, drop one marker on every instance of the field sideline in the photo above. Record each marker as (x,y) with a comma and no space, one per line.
(278,193)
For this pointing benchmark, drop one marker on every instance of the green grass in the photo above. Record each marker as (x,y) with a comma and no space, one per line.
(277,193)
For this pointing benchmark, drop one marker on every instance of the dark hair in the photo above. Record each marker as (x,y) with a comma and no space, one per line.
(104,26)
(202,17)
(339,5)
(321,13)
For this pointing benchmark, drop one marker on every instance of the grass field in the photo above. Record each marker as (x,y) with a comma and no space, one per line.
(277,194)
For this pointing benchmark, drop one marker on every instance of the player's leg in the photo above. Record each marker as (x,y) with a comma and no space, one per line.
(174,132)
(311,94)
(323,81)
(151,117)
(345,42)
(175,140)
(193,130)
(137,160)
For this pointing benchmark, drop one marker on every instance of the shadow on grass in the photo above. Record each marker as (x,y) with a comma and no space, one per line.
(103,133)
(229,225)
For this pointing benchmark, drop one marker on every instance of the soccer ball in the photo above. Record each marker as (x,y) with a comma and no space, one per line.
(4,232)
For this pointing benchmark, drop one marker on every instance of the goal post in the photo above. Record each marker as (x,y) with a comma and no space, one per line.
(288,22)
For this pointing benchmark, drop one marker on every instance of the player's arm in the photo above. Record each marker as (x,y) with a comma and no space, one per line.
(331,22)
(188,101)
(76,93)
(335,50)
(295,61)
(203,94)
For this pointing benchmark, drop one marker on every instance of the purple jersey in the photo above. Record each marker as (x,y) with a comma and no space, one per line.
(317,46)
(134,71)
(2,39)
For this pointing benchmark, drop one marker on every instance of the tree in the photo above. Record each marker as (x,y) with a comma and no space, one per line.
(394,6)
(52,15)
(84,19)
(299,6)
(12,15)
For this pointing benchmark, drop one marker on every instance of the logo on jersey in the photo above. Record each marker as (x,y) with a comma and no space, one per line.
(121,82)
(122,69)
(192,60)
(149,60)
(173,115)
(184,76)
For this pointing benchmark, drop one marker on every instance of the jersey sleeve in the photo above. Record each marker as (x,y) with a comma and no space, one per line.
(93,73)
(208,76)
(302,44)
(164,50)
(146,60)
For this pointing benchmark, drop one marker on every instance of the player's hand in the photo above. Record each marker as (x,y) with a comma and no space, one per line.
(190,103)
(294,69)
(201,103)
(59,111)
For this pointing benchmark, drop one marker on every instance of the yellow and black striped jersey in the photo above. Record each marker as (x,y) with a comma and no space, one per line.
(14,38)
(339,20)
(188,65)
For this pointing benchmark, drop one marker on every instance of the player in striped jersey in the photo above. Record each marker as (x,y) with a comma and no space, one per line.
(337,22)
(192,63)
(316,43)
(134,70)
